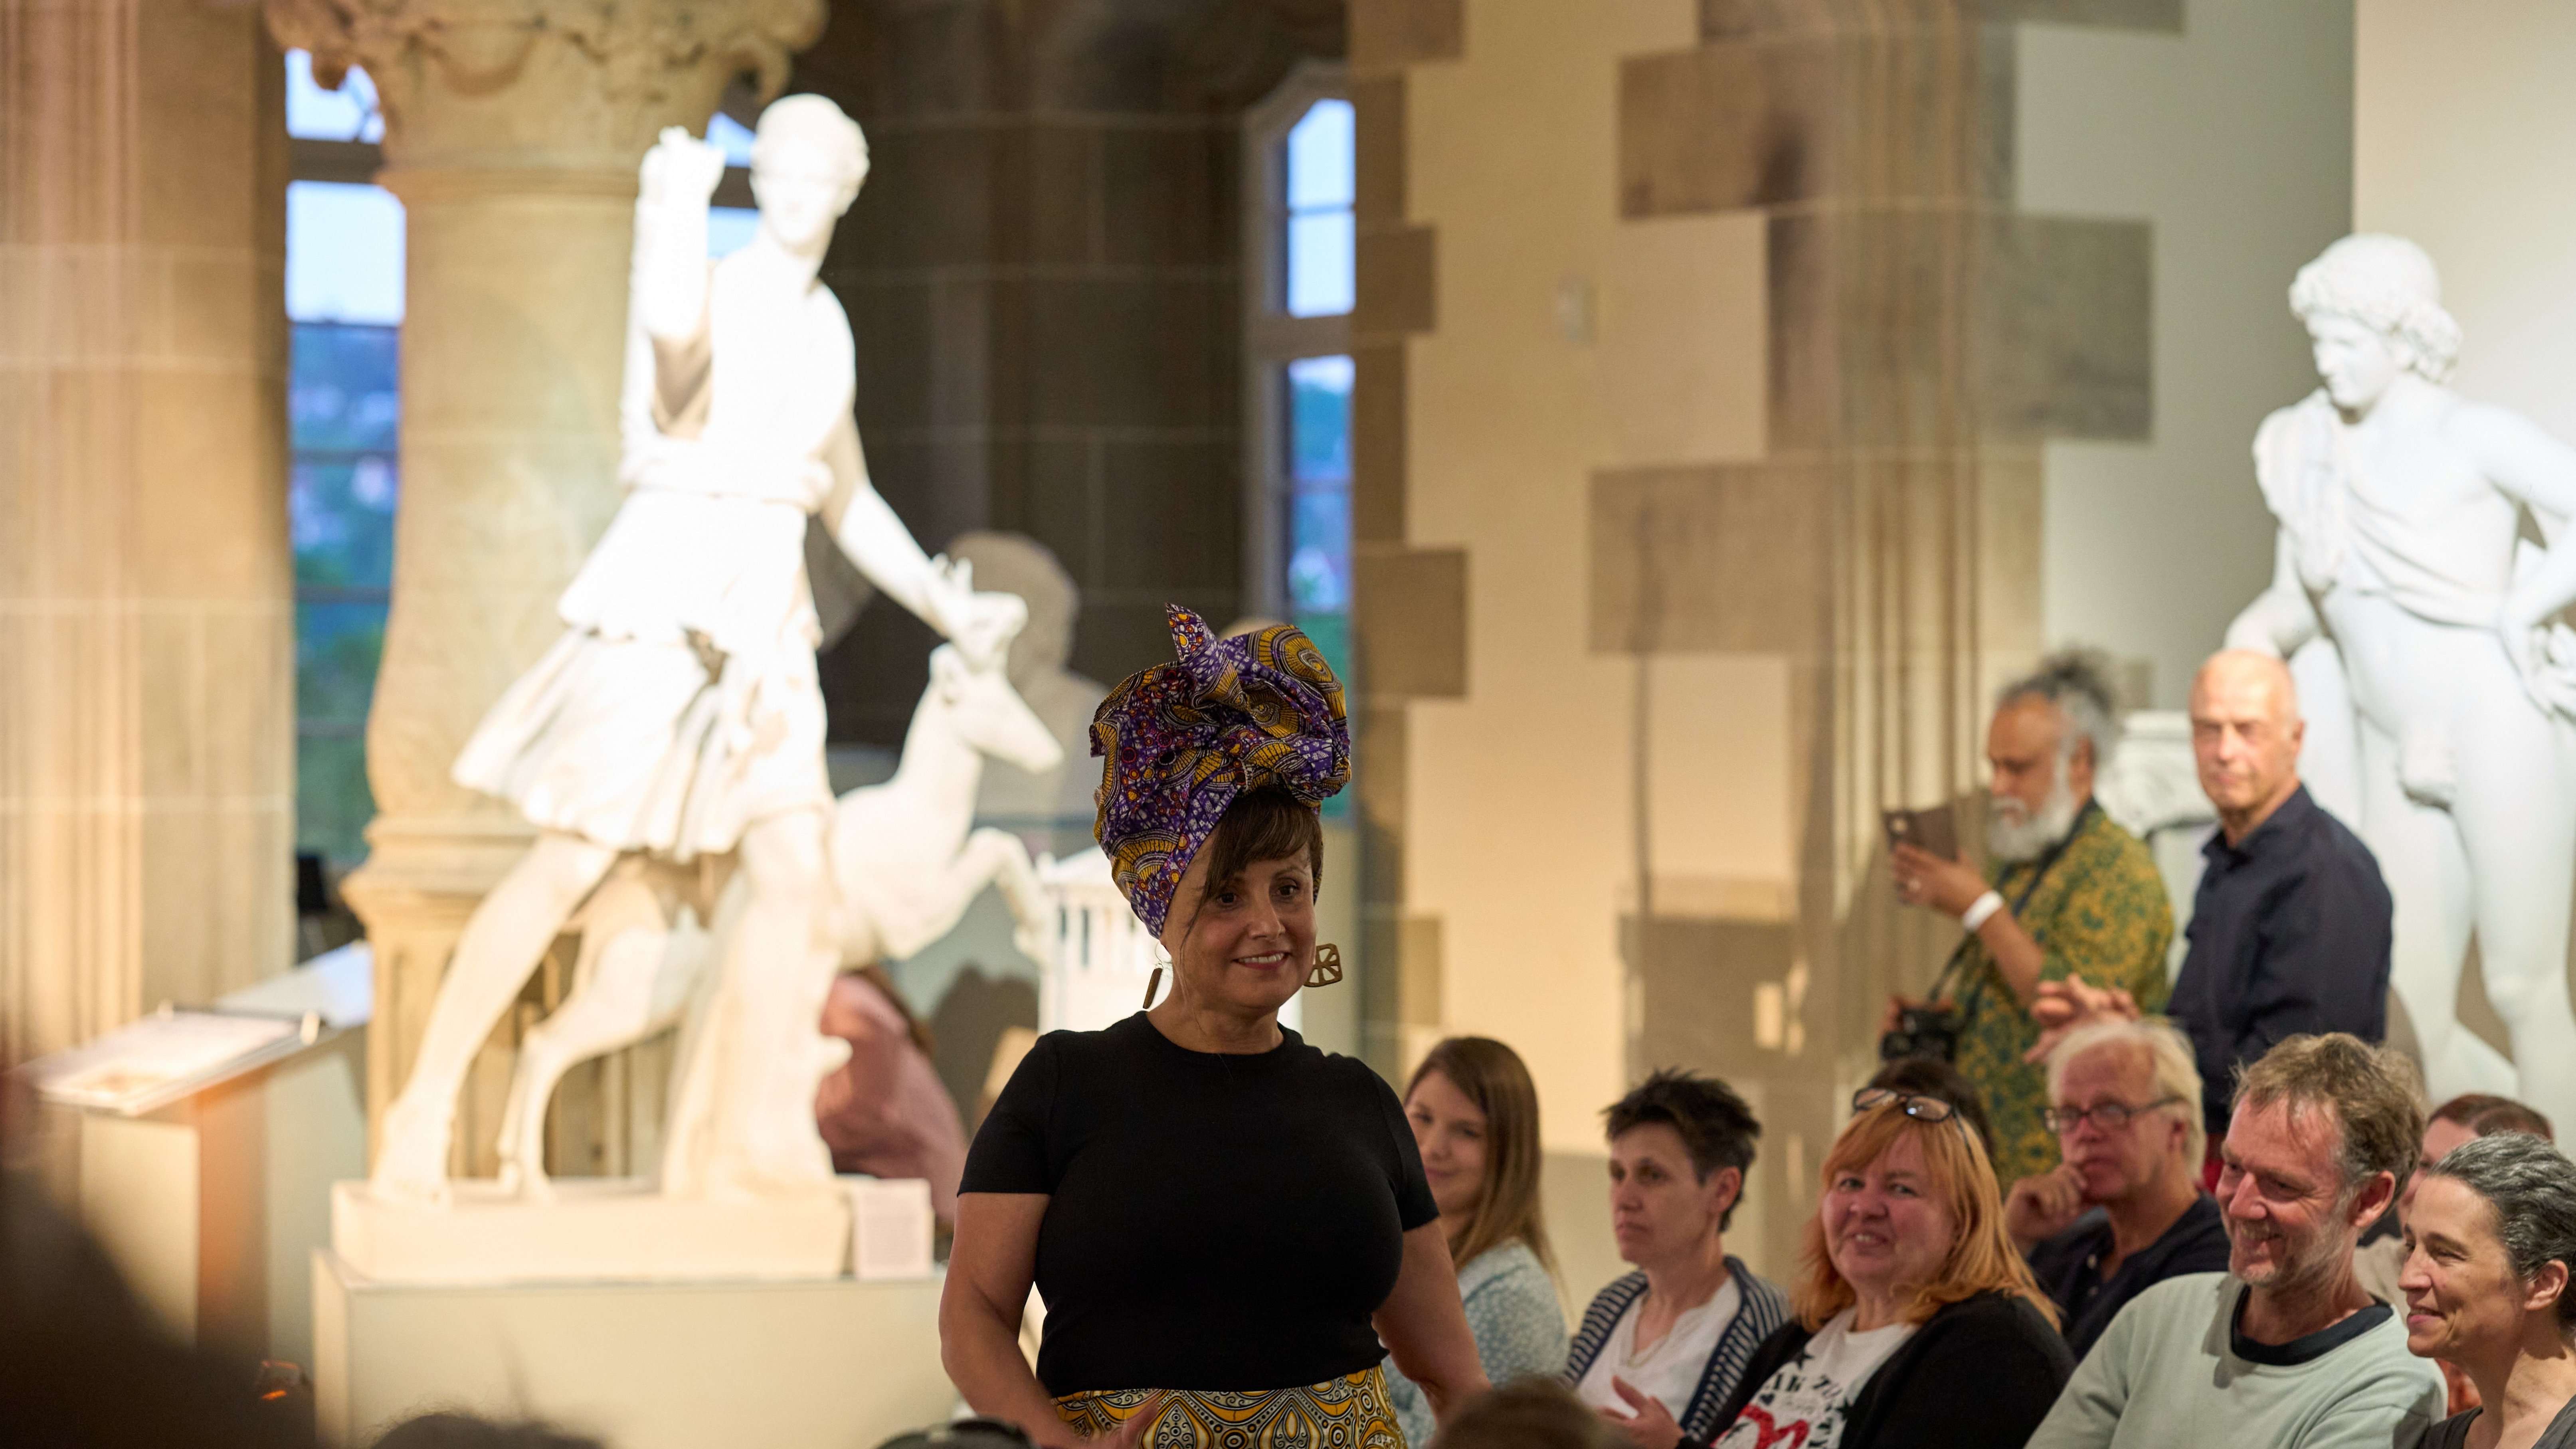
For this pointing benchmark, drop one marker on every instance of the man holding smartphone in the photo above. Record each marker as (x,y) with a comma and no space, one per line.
(2066,893)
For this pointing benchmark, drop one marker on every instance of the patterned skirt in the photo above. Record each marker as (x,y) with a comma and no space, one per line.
(1351,1412)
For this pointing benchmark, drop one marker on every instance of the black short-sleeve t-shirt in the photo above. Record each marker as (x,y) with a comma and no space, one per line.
(1216,1222)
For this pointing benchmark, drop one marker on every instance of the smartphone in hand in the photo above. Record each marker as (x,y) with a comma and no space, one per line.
(1932,831)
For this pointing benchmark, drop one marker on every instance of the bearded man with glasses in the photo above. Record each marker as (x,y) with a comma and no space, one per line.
(2123,1211)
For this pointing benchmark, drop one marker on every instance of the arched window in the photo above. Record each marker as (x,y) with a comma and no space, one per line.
(1300,173)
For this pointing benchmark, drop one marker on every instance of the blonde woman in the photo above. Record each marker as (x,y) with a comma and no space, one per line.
(1917,1322)
(1474,1113)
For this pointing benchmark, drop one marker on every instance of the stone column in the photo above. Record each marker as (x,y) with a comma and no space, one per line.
(512,135)
(146,633)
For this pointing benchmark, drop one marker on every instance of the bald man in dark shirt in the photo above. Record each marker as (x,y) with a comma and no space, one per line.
(2290,928)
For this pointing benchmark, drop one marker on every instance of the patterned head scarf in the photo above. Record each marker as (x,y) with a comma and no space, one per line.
(1184,739)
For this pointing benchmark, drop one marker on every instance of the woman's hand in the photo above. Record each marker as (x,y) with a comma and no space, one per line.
(1652,1426)
(1132,1432)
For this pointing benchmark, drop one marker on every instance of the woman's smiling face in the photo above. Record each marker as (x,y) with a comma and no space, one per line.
(1247,944)
(1884,1228)
(2463,1300)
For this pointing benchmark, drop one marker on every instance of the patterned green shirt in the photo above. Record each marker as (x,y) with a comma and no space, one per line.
(2101,913)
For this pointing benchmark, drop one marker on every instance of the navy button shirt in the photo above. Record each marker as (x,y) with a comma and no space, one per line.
(2069,1267)
(2289,934)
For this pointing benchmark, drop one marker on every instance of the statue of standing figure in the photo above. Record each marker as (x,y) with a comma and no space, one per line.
(679,715)
(2439,690)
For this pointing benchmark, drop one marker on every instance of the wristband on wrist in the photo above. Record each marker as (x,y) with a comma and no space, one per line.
(1981,910)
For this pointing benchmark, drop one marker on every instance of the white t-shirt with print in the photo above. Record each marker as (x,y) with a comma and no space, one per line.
(1668,1372)
(1804,1404)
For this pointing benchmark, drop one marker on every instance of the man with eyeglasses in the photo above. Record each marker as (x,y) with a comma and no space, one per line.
(2124,1210)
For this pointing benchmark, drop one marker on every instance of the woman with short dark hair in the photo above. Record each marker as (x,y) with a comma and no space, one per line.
(1662,1349)
(2490,1241)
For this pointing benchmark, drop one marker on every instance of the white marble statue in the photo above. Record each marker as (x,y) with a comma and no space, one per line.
(1053,804)
(2401,506)
(679,715)
(906,862)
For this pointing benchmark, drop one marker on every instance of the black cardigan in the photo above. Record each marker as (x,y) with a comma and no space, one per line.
(1979,1374)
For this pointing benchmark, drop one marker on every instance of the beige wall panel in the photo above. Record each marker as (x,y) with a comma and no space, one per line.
(1680,322)
(2233,141)
(1518,796)
(2464,138)
(1725,558)
(1719,818)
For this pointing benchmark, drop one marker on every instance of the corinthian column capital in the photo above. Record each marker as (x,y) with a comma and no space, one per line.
(545,85)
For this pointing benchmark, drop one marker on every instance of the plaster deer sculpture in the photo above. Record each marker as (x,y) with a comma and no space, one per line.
(906,864)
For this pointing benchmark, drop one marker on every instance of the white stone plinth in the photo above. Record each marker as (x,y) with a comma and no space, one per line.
(602,1230)
(837,1364)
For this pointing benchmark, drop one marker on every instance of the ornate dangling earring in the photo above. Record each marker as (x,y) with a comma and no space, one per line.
(1328,966)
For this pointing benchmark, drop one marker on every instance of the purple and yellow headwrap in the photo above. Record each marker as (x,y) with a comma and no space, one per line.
(1184,739)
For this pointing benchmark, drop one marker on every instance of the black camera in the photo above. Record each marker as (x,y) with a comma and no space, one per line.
(1921,1031)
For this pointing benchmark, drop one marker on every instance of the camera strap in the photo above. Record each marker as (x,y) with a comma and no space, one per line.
(2047,863)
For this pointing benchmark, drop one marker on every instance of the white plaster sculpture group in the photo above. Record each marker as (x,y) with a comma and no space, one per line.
(669,748)
(2439,690)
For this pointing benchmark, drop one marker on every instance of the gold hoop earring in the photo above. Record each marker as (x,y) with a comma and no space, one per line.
(1328,966)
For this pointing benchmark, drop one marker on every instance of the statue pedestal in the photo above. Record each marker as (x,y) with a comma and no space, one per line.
(812,1365)
(599,1230)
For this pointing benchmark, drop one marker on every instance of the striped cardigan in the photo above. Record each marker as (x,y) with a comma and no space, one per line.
(1764,1310)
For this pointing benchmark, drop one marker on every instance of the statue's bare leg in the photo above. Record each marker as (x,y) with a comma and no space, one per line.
(777,970)
(2517,813)
(2421,860)
(501,944)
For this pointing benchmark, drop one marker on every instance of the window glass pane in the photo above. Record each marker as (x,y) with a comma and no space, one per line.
(1318,444)
(731,137)
(344,253)
(1319,416)
(343,408)
(1321,281)
(1322,152)
(347,114)
(728,227)
(337,647)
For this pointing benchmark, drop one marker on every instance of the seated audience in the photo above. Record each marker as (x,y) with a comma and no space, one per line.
(2284,1350)
(1474,1112)
(2491,1239)
(1918,1324)
(2124,1210)
(2382,1255)
(1660,1350)
(1932,1077)
(1530,1414)
(2070,893)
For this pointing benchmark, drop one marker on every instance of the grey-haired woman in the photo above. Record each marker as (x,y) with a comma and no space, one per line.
(2490,1242)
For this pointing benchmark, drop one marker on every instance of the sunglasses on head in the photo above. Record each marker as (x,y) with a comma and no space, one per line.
(1913,1104)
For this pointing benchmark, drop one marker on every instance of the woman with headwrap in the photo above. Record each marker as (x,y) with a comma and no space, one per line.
(1231,1229)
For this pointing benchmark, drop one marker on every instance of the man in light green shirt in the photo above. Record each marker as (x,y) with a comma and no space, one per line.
(2284,1350)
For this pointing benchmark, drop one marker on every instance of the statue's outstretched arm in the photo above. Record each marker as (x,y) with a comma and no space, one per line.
(2282,617)
(940,593)
(677,179)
